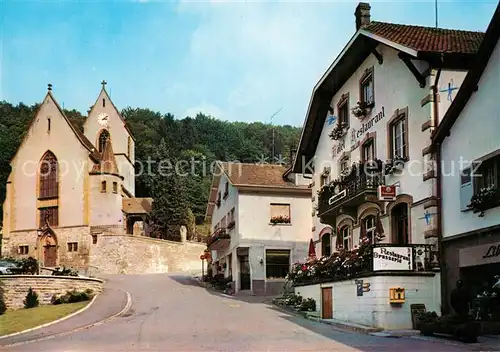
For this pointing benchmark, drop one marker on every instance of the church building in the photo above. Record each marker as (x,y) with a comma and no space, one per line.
(67,187)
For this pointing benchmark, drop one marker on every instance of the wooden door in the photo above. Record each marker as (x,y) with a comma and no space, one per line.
(326,303)
(50,256)
(244,273)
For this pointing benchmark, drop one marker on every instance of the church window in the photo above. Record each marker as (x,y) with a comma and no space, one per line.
(49,215)
(115,187)
(48,124)
(94,239)
(103,102)
(49,185)
(102,139)
(103,187)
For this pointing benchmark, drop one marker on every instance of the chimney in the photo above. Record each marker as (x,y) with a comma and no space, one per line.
(362,15)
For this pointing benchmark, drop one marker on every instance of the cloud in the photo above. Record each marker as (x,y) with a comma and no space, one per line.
(205,108)
(261,55)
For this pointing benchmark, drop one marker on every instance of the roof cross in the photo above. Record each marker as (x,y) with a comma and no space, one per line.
(103,83)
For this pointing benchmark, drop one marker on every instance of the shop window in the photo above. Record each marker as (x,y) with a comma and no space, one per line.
(49,215)
(72,246)
(23,250)
(326,250)
(277,263)
(280,213)
(400,231)
(367,88)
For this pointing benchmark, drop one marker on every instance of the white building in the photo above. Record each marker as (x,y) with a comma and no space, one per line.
(379,101)
(468,153)
(261,224)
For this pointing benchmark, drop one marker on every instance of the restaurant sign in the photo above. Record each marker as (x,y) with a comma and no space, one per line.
(392,258)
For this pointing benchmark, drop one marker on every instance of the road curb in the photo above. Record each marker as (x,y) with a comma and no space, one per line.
(125,309)
(52,322)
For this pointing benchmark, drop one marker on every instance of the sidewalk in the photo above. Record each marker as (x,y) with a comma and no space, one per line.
(107,304)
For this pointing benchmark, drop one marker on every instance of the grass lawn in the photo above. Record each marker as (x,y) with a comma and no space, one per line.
(21,319)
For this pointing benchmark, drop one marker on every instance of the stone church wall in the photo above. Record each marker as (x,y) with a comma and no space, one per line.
(143,255)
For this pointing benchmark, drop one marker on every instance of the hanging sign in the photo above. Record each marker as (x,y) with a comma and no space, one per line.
(387,193)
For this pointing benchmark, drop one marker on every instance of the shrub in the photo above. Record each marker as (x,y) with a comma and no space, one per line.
(3,306)
(73,297)
(31,300)
(308,304)
(64,272)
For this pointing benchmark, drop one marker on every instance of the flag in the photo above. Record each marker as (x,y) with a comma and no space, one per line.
(312,250)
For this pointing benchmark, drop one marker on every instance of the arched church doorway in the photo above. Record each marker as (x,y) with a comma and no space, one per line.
(49,250)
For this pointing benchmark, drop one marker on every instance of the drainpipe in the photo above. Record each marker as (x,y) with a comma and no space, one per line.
(437,152)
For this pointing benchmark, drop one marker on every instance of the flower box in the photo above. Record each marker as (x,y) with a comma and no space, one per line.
(280,220)
(339,131)
(361,110)
(485,199)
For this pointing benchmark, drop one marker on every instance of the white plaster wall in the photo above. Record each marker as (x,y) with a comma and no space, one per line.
(127,170)
(105,208)
(448,76)
(73,163)
(373,308)
(255,213)
(474,135)
(395,88)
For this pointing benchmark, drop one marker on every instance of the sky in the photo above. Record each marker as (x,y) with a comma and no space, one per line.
(234,60)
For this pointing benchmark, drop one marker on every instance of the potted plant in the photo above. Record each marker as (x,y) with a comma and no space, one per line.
(485,199)
(338,132)
(395,164)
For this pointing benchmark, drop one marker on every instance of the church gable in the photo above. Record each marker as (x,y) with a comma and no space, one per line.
(104,116)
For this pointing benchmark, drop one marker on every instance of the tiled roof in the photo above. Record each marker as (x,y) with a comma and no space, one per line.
(241,174)
(137,205)
(107,165)
(428,39)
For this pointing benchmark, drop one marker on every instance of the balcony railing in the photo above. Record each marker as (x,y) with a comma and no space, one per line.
(367,260)
(351,191)
(218,235)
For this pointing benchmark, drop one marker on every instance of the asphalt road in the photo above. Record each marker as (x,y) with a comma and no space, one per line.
(173,313)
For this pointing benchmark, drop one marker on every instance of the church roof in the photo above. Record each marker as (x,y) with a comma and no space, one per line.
(107,164)
(93,153)
(137,205)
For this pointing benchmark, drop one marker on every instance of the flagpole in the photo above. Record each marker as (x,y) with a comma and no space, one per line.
(436,9)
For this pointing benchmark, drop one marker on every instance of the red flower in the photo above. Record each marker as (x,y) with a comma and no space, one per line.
(304,267)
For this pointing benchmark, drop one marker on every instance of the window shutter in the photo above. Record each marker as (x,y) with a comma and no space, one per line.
(466,189)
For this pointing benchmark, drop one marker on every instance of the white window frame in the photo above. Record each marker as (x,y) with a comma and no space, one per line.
(398,132)
(370,231)
(346,235)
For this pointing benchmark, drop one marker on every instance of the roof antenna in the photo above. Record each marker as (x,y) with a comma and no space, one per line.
(436,9)
(273,115)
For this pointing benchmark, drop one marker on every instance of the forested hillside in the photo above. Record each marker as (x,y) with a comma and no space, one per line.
(197,141)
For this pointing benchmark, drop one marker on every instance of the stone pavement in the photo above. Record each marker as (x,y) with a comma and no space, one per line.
(108,303)
(173,313)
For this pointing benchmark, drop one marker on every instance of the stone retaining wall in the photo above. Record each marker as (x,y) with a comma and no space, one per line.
(15,287)
(144,255)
